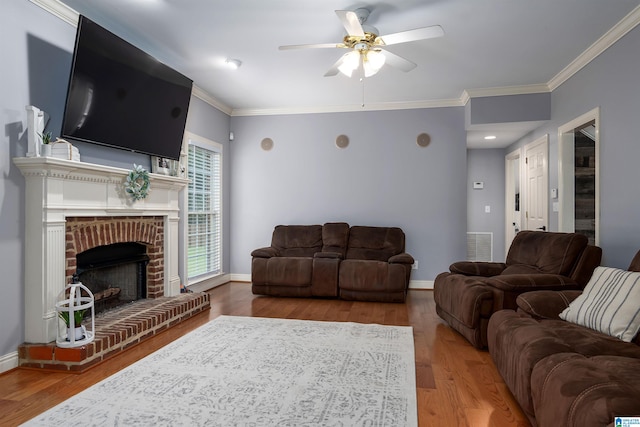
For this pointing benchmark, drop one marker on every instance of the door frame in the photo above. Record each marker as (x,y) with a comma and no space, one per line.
(566,172)
(545,197)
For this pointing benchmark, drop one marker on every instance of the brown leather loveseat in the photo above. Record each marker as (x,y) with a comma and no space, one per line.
(563,373)
(333,260)
(471,292)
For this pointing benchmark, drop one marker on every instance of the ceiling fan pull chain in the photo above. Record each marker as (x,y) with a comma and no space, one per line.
(362,76)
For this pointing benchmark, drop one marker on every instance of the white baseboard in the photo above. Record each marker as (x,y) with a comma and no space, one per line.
(8,362)
(211,283)
(421,284)
(241,278)
(413,284)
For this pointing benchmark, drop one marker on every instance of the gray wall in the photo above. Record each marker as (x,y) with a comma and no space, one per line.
(487,166)
(36,50)
(381,179)
(29,44)
(531,107)
(611,82)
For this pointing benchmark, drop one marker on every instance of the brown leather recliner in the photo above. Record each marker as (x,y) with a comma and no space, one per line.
(559,372)
(376,267)
(302,261)
(471,292)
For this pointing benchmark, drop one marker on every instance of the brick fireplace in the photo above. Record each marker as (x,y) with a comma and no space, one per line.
(73,206)
(83,234)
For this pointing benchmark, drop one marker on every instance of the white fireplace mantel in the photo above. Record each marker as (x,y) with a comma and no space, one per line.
(57,189)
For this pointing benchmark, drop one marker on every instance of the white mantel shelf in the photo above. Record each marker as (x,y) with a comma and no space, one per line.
(57,189)
(90,187)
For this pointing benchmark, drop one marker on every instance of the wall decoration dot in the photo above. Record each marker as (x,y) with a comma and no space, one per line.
(266,144)
(342,141)
(423,140)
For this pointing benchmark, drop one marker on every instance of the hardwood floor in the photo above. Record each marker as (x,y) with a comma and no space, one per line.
(457,385)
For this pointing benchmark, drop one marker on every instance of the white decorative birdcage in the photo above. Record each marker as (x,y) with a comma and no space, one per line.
(76,316)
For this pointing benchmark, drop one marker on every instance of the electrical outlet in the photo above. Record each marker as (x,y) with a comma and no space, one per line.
(414,266)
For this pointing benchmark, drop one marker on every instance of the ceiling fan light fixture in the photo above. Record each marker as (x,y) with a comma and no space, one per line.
(372,62)
(350,63)
(365,40)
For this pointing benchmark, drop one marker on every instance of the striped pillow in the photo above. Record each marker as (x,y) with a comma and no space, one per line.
(609,304)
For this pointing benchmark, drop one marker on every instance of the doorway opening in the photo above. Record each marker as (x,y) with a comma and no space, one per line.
(578,171)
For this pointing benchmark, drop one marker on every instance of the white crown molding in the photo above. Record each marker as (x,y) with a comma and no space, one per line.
(508,90)
(465,97)
(209,99)
(59,9)
(387,106)
(603,43)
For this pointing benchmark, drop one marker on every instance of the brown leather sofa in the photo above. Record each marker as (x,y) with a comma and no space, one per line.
(561,373)
(333,260)
(471,292)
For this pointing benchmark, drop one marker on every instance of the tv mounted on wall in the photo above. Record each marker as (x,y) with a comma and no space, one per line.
(122,97)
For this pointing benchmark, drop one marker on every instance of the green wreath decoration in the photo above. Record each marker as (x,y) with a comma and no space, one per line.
(137,183)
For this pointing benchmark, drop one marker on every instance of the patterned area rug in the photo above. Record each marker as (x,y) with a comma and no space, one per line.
(247,371)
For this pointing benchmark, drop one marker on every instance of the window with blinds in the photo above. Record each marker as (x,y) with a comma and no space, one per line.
(204,230)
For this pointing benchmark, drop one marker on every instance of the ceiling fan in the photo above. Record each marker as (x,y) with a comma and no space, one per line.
(366,46)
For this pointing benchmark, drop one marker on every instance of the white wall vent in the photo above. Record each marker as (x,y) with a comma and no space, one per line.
(480,246)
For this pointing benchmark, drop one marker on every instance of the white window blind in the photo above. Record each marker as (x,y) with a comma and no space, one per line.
(205,210)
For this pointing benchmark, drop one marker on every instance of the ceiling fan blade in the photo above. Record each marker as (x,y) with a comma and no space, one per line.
(413,35)
(334,70)
(312,46)
(350,22)
(398,61)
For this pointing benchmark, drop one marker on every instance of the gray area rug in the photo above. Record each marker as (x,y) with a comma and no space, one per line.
(247,371)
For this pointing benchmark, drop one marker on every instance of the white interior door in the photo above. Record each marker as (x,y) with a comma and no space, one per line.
(537,184)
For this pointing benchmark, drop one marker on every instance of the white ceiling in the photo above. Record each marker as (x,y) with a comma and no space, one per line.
(489,47)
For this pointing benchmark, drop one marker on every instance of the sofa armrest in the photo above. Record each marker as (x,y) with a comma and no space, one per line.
(545,304)
(521,283)
(587,263)
(333,255)
(475,268)
(267,252)
(403,258)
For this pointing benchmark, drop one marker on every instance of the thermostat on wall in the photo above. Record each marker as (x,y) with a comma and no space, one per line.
(478,185)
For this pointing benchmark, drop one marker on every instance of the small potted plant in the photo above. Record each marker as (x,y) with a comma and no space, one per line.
(46,143)
(78,315)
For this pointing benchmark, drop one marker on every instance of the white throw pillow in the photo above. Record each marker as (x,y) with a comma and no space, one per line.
(609,304)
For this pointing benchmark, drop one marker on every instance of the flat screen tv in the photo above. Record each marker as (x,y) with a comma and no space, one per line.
(122,97)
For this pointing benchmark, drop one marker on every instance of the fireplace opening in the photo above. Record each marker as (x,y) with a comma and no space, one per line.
(116,273)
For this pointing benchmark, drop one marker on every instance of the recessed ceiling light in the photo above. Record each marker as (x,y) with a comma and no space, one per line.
(490,137)
(234,64)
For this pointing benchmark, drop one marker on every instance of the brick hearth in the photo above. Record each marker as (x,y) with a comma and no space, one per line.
(116,330)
